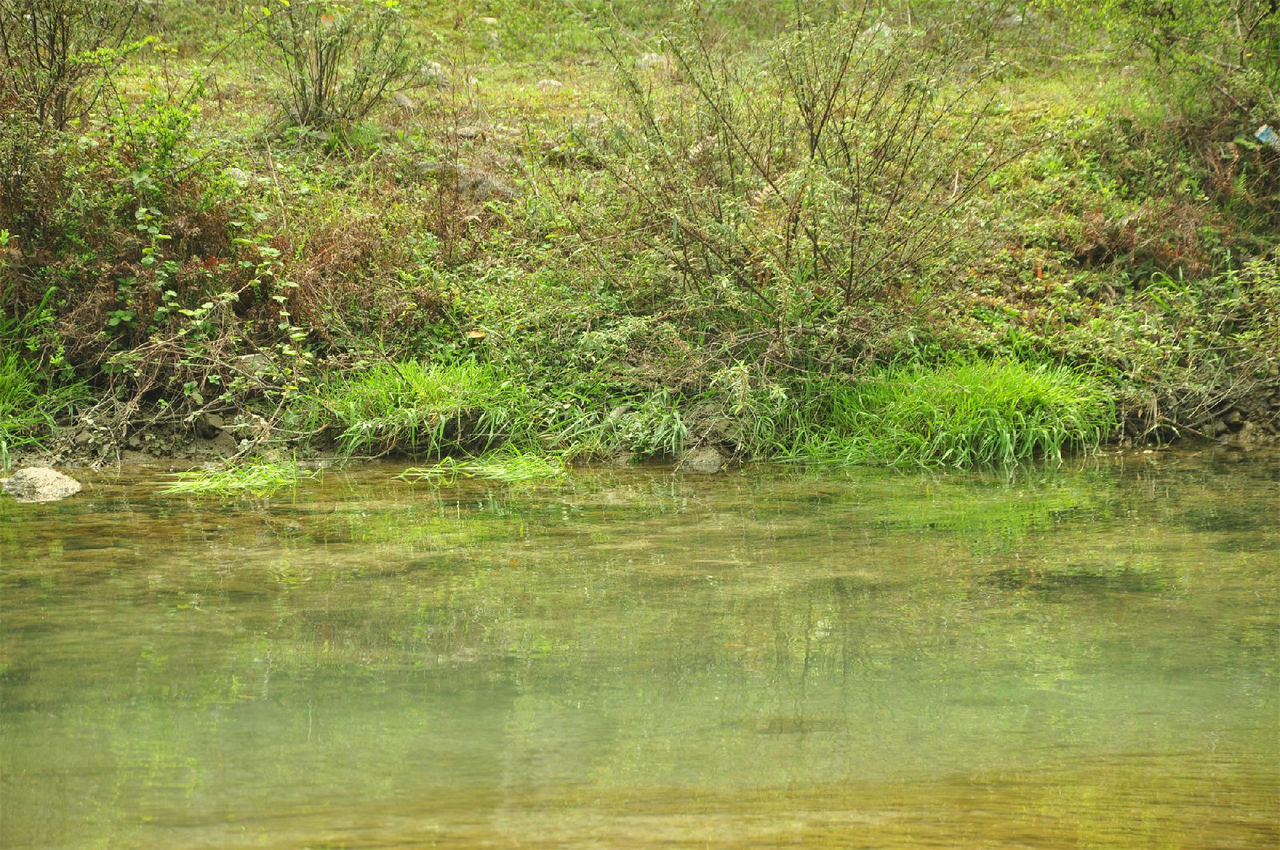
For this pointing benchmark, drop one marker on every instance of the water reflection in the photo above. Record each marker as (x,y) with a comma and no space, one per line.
(1082,657)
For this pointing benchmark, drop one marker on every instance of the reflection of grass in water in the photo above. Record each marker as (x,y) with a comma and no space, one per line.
(258,480)
(1058,581)
(983,508)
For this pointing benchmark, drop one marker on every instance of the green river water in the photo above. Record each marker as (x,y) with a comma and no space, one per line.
(1076,657)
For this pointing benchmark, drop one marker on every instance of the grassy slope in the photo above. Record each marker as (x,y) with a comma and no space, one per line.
(1102,249)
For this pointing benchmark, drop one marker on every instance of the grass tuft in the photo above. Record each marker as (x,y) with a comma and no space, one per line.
(422,409)
(27,413)
(964,414)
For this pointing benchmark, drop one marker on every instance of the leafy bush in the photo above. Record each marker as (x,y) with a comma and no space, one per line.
(59,55)
(801,185)
(337,57)
(1222,57)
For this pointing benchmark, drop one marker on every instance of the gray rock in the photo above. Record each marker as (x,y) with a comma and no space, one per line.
(652,60)
(471,183)
(705,460)
(1245,438)
(208,425)
(40,484)
(434,74)
(879,31)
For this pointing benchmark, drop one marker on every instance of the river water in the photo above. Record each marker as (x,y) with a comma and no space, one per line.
(1083,656)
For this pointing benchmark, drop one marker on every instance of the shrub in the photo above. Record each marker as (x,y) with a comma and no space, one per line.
(337,57)
(1221,57)
(59,55)
(796,187)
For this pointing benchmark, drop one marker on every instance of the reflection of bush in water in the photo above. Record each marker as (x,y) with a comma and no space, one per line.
(1080,578)
(1224,518)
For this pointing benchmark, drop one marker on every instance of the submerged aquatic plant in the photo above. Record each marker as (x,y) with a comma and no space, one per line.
(965,413)
(258,480)
(509,466)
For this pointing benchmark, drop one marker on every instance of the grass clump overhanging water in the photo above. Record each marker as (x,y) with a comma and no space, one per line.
(961,414)
(27,410)
(257,479)
(422,408)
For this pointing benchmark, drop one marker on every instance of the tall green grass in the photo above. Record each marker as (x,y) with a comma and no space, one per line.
(423,409)
(963,414)
(28,411)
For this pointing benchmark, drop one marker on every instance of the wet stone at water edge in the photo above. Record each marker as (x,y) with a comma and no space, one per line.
(40,484)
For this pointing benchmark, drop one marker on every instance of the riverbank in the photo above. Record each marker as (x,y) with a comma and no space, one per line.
(864,239)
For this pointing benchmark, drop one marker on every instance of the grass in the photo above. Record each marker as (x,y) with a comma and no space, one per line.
(258,480)
(963,414)
(420,408)
(27,411)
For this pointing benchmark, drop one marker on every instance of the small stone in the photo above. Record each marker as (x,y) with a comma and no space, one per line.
(877,31)
(208,426)
(434,74)
(705,460)
(40,484)
(549,85)
(404,101)
(1246,437)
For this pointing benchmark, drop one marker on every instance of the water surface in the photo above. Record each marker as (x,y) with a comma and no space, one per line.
(1074,657)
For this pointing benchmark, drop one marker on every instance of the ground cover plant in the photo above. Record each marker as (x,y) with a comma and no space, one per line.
(632,230)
